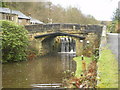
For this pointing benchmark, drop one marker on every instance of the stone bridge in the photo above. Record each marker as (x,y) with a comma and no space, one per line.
(49,37)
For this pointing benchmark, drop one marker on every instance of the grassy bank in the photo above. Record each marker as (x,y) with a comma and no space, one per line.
(79,64)
(108,69)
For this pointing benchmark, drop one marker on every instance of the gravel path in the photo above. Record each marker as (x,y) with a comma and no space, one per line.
(113,43)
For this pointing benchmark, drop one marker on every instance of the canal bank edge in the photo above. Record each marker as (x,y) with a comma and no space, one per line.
(107,71)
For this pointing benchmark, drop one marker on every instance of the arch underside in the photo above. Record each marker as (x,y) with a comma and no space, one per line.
(58,34)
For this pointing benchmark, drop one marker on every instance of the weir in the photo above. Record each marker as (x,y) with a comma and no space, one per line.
(67,45)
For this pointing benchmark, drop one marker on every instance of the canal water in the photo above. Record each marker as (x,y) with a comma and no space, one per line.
(44,70)
(49,69)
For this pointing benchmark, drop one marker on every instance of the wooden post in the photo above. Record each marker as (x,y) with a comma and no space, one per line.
(83,64)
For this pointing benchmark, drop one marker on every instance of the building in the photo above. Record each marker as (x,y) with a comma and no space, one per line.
(6,14)
(17,17)
(35,21)
(22,19)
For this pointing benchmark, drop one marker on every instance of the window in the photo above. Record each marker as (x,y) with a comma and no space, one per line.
(19,21)
(7,18)
(12,18)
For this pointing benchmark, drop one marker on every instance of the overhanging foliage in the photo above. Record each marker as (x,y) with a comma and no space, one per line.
(14,42)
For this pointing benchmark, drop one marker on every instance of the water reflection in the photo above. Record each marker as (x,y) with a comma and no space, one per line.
(47,69)
(68,63)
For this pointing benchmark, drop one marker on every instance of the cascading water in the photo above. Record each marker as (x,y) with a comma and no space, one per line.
(72,46)
(62,44)
(67,45)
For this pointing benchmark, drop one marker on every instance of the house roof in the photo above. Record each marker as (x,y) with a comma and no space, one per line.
(35,21)
(20,14)
(5,10)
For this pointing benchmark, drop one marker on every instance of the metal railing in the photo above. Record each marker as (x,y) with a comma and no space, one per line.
(56,85)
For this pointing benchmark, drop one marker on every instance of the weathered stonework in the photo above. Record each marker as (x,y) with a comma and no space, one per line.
(52,44)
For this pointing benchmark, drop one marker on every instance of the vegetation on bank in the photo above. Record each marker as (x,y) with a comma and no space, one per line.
(94,56)
(84,78)
(114,27)
(79,64)
(107,69)
(14,42)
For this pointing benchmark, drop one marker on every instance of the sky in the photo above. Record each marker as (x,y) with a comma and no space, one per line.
(100,9)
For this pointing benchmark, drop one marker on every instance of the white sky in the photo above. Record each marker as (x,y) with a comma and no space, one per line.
(100,9)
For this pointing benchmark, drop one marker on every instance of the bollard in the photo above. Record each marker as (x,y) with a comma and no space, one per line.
(83,64)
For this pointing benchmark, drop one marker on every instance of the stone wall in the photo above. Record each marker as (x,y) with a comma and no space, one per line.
(62,27)
(23,21)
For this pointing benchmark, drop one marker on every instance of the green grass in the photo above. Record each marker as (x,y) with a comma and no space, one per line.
(79,64)
(108,69)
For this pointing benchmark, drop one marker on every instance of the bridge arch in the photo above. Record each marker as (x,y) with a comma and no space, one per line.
(58,34)
(48,42)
